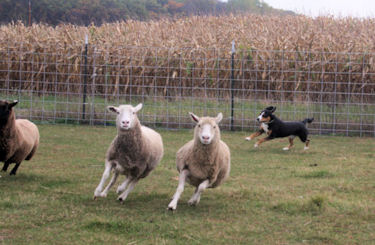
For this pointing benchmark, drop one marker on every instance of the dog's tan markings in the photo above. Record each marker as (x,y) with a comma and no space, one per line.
(269,132)
(290,144)
(307,144)
(261,141)
(265,119)
(256,134)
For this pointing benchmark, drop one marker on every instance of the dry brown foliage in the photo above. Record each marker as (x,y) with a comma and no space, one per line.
(321,55)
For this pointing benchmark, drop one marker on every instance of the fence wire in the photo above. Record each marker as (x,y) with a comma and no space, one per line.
(337,89)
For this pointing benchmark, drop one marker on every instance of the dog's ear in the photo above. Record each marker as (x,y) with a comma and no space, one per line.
(12,104)
(271,108)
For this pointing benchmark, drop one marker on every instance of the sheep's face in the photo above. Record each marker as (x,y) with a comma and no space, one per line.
(206,128)
(126,115)
(6,108)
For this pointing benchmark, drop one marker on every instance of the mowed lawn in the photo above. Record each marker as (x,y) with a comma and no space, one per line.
(325,195)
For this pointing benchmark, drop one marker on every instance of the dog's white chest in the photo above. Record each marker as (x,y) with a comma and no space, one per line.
(264,127)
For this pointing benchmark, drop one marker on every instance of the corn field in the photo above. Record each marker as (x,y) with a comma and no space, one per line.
(322,67)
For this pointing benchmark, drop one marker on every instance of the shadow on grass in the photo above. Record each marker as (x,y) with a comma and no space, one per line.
(137,228)
(156,203)
(39,183)
(317,174)
(317,240)
(274,150)
(314,206)
(135,201)
(115,226)
(14,205)
(20,178)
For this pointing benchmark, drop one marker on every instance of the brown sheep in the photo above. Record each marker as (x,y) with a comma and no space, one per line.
(19,139)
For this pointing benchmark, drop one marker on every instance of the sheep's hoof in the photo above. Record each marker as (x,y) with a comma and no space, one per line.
(192,203)
(121,200)
(97,193)
(171,208)
(95,197)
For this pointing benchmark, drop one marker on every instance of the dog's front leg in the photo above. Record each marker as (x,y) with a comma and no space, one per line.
(262,141)
(256,134)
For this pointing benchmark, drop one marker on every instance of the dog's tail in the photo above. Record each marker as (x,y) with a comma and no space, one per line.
(308,120)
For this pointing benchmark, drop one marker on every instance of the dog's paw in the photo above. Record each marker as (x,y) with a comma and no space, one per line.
(305,148)
(256,146)
(248,138)
(286,148)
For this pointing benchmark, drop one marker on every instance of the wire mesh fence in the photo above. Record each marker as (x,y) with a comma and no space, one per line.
(70,86)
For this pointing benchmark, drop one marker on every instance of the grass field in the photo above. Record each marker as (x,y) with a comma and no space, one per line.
(322,196)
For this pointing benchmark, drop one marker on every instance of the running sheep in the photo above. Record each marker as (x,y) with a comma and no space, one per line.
(19,139)
(203,162)
(134,152)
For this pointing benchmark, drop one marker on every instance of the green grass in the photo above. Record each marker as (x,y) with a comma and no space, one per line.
(325,195)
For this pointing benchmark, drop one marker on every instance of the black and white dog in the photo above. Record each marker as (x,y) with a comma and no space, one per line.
(276,128)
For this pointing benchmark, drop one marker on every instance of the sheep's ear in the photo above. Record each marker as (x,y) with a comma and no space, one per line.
(219,118)
(138,107)
(113,109)
(271,108)
(194,117)
(15,102)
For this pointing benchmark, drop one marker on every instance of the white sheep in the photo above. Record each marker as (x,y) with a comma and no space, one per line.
(134,152)
(19,139)
(203,162)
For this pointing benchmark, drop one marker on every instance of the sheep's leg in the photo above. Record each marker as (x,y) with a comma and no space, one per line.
(130,187)
(106,173)
(5,167)
(180,188)
(194,200)
(110,184)
(14,170)
(123,186)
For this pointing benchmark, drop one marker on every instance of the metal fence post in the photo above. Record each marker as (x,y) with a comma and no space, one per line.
(232,89)
(85,79)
